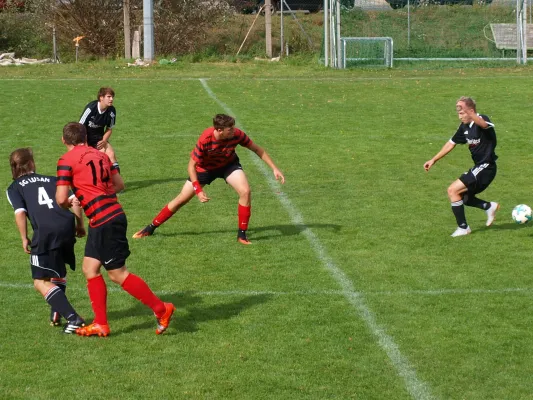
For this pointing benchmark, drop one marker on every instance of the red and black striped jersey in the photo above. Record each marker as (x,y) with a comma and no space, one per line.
(88,171)
(210,153)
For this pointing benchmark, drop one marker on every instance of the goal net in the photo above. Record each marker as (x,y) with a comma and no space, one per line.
(366,51)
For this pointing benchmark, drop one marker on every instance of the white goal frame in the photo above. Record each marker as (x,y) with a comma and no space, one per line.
(388,53)
(521,26)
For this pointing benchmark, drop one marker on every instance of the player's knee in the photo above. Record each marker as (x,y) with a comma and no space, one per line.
(452,192)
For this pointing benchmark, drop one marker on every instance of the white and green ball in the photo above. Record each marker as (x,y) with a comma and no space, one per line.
(522,214)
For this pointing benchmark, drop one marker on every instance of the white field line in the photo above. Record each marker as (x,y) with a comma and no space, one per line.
(228,293)
(417,388)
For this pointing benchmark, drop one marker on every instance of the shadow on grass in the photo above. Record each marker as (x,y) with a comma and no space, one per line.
(500,227)
(259,233)
(189,312)
(135,185)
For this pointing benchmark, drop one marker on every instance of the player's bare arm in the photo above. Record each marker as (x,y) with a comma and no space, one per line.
(76,209)
(263,155)
(118,182)
(198,189)
(62,196)
(22,226)
(449,146)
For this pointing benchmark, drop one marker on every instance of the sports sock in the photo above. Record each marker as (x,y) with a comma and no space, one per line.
(139,289)
(58,301)
(163,215)
(62,284)
(459,211)
(244,213)
(98,294)
(478,203)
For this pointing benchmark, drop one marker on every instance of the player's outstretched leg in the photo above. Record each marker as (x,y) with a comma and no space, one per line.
(491,212)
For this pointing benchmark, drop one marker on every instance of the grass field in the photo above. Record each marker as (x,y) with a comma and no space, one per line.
(352,288)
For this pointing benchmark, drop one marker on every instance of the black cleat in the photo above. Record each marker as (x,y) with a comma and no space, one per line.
(71,326)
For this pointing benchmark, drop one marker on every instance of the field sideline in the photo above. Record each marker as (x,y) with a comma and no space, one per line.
(352,287)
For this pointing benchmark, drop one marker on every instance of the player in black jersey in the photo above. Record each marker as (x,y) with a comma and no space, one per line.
(478,132)
(99,118)
(32,196)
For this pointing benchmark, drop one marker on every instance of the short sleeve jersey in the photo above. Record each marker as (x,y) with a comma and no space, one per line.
(97,122)
(52,225)
(88,171)
(481,142)
(210,153)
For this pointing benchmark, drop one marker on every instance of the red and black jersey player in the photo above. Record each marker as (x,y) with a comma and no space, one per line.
(95,182)
(214,157)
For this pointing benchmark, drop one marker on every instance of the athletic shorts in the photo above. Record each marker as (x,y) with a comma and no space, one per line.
(108,243)
(205,178)
(479,177)
(52,263)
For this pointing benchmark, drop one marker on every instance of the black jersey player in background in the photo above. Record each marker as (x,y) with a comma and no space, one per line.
(478,132)
(99,118)
(32,196)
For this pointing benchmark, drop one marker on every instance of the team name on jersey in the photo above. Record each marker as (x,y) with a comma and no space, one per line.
(27,181)
(93,125)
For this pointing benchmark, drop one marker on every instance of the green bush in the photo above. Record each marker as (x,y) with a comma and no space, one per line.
(23,34)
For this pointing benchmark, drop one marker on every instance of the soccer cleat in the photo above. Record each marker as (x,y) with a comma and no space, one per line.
(491,212)
(242,238)
(148,230)
(93,330)
(164,321)
(462,232)
(72,326)
(55,319)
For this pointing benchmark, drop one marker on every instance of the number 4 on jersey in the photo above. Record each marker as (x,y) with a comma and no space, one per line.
(44,199)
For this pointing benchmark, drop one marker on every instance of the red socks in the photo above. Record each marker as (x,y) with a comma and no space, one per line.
(244,216)
(163,215)
(98,294)
(139,289)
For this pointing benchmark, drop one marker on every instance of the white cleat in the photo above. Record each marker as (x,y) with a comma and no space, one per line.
(462,232)
(491,212)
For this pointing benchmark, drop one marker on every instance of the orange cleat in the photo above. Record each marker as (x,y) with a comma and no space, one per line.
(148,230)
(164,321)
(243,240)
(93,330)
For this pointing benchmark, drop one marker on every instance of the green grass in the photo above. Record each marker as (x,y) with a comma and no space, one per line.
(352,287)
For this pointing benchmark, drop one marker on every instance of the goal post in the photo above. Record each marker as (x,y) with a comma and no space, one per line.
(368,51)
(521,33)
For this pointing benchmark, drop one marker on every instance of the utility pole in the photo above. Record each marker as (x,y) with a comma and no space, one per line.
(268,28)
(127,29)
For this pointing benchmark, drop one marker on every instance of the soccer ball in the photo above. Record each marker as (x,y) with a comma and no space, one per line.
(521,214)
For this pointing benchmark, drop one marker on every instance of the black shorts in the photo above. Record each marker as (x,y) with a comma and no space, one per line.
(52,263)
(205,178)
(108,243)
(479,177)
